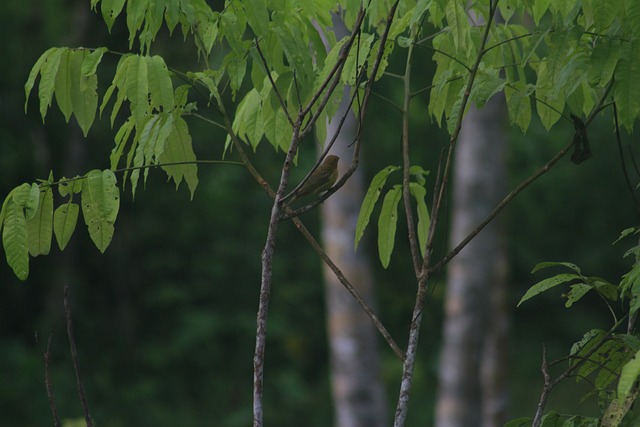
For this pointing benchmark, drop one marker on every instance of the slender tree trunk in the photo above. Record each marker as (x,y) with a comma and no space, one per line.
(358,393)
(473,365)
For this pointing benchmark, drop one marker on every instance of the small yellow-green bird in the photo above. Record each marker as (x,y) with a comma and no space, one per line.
(319,181)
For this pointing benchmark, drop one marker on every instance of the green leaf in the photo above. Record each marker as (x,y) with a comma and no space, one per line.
(110,10)
(547,284)
(370,200)
(14,240)
(539,9)
(356,59)
(20,195)
(119,82)
(519,422)
(70,186)
(178,148)
(39,227)
(458,24)
(627,80)
(628,377)
(35,71)
(121,139)
(248,123)
(387,224)
(65,219)
(33,201)
(90,62)
(548,264)
(519,106)
(100,205)
(419,193)
(257,16)
(160,86)
(84,97)
(137,88)
(576,293)
(63,85)
(48,73)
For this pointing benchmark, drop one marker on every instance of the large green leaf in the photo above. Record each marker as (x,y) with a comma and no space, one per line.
(48,73)
(419,192)
(64,84)
(35,71)
(178,149)
(39,227)
(14,239)
(370,199)
(547,284)
(160,86)
(100,205)
(84,97)
(387,224)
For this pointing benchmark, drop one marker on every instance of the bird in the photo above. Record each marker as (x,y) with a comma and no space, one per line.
(319,181)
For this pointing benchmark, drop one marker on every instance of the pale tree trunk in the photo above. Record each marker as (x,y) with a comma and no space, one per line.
(358,393)
(473,365)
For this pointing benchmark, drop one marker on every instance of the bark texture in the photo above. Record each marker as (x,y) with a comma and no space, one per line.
(473,367)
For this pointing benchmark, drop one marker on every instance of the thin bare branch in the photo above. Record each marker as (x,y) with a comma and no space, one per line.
(46,359)
(75,359)
(273,84)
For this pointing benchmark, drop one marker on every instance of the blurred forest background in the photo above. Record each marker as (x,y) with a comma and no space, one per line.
(165,319)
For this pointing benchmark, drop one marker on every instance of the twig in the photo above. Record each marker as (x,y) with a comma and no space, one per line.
(524,184)
(74,358)
(283,104)
(349,287)
(546,389)
(550,383)
(46,358)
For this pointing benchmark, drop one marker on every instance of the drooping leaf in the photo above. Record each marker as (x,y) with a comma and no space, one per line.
(65,219)
(14,240)
(39,227)
(84,97)
(547,284)
(178,149)
(35,71)
(387,224)
(64,82)
(32,203)
(110,10)
(48,73)
(160,86)
(100,205)
(369,201)
(419,193)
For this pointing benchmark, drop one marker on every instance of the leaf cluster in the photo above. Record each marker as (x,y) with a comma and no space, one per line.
(604,358)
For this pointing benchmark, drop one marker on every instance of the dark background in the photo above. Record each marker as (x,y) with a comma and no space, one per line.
(165,318)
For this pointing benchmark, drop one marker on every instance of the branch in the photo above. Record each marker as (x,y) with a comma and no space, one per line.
(46,358)
(550,383)
(273,84)
(406,163)
(423,275)
(75,359)
(317,247)
(544,169)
